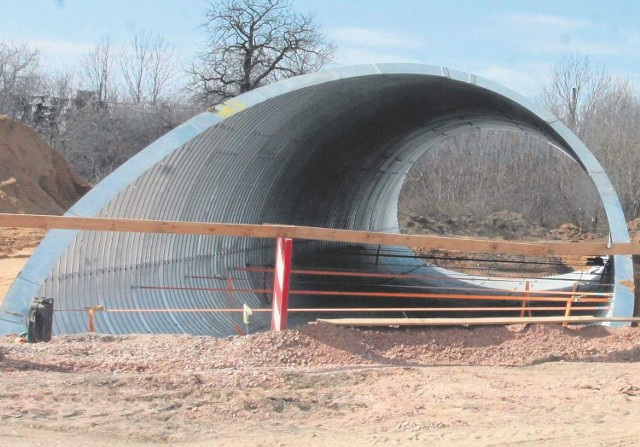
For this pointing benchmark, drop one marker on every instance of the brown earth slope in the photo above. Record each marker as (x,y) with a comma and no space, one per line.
(33,177)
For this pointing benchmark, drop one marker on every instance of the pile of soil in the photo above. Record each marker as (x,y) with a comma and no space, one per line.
(34,179)
(503,224)
(506,224)
(325,345)
(634,229)
(573,233)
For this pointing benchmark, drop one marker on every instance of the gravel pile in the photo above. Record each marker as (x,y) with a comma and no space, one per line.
(324,345)
(308,382)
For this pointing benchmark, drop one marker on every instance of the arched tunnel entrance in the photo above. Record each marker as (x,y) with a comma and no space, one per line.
(329,149)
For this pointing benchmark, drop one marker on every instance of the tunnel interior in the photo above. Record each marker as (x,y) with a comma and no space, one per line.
(331,154)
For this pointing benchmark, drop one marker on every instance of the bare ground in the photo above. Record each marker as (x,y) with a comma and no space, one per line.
(326,386)
(9,269)
(16,246)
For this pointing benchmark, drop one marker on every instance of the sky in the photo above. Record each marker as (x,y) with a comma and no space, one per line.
(513,42)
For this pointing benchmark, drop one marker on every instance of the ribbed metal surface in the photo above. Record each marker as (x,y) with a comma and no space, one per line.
(330,149)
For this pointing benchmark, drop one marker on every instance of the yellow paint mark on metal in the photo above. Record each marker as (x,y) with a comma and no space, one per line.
(229,107)
(629,284)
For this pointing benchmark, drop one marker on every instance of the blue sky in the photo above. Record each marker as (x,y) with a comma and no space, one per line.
(512,42)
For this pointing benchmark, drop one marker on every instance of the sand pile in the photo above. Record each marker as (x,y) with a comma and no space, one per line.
(34,179)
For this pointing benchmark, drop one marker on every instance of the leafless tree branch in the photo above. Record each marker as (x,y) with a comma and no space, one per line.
(255,42)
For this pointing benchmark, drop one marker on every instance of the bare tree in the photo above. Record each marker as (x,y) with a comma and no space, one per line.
(20,76)
(148,68)
(255,42)
(574,92)
(480,173)
(94,140)
(134,64)
(614,137)
(162,70)
(97,69)
(61,84)
(604,112)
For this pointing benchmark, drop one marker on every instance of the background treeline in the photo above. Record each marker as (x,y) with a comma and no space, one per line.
(122,97)
(119,101)
(133,94)
(488,171)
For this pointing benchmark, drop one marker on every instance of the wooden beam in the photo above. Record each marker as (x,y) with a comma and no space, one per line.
(314,233)
(377,322)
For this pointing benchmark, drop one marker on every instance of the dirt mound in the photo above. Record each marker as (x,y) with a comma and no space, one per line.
(506,224)
(325,345)
(571,232)
(325,386)
(15,240)
(502,224)
(34,179)
(634,229)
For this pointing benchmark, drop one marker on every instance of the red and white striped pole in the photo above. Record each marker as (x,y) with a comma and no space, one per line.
(281,277)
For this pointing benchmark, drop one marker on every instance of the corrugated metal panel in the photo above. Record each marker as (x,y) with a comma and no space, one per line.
(329,149)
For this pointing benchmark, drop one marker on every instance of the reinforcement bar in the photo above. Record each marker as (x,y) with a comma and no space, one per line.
(553,296)
(344,309)
(407,276)
(321,234)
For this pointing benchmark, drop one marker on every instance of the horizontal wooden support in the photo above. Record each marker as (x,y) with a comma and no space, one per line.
(379,322)
(314,233)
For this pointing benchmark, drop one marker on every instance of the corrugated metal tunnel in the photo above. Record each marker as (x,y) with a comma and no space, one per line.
(329,149)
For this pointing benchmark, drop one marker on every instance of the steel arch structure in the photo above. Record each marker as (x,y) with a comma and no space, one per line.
(328,149)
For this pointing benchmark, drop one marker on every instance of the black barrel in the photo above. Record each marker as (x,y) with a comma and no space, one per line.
(40,320)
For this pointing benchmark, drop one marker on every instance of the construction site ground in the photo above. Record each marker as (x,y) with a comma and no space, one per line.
(326,386)
(320,385)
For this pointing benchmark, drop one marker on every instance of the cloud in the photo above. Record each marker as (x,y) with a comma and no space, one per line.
(369,37)
(367,45)
(526,79)
(578,46)
(530,29)
(358,56)
(546,34)
(544,22)
(58,54)
(61,47)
